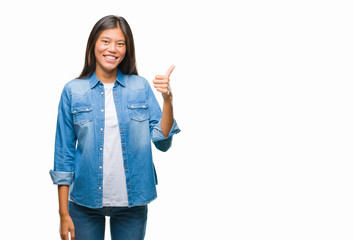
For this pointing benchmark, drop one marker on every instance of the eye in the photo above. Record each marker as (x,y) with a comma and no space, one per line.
(121,44)
(105,41)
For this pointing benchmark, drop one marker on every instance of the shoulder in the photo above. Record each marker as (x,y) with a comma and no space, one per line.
(77,86)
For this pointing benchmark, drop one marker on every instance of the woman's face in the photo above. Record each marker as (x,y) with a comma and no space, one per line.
(109,50)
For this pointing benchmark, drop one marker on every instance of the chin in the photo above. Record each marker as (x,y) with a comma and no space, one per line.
(109,68)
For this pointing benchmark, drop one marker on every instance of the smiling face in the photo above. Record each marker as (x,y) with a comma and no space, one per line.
(109,50)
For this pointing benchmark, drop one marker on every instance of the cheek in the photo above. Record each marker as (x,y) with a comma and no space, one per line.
(122,52)
(96,52)
(98,49)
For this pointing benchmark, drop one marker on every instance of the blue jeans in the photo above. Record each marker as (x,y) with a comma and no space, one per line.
(125,223)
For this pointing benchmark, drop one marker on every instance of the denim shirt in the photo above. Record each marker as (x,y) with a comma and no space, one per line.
(79,141)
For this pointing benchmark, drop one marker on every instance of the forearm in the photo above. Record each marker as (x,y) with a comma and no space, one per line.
(167,116)
(66,223)
(63,191)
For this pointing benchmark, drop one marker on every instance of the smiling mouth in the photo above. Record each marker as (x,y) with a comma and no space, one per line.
(110,57)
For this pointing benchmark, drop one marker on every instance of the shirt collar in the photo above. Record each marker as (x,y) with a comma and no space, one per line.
(119,79)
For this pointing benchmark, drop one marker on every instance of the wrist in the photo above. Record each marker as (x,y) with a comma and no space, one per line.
(168,97)
(64,213)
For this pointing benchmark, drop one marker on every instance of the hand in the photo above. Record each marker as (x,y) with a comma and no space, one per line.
(161,83)
(66,226)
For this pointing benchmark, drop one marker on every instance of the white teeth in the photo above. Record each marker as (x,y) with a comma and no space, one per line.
(110,57)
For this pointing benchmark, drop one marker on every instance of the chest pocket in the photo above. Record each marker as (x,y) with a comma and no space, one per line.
(82,114)
(138,111)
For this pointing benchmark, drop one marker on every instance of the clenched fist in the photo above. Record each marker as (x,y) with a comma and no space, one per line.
(162,83)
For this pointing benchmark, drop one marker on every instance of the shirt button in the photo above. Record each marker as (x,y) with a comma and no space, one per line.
(101,129)
(101,149)
(119,110)
(102,110)
(115,94)
(124,149)
(102,93)
(128,187)
(122,129)
(100,188)
(126,167)
(100,167)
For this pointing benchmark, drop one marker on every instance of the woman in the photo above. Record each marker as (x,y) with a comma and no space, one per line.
(106,120)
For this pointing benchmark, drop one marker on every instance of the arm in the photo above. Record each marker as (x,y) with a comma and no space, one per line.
(63,192)
(162,124)
(65,143)
(161,83)
(63,173)
(167,115)
(66,223)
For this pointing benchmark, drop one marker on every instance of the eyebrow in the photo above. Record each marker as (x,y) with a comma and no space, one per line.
(119,40)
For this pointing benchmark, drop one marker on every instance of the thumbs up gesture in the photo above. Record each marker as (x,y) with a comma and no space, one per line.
(162,83)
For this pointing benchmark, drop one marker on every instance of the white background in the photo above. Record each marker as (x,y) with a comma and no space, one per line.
(262,94)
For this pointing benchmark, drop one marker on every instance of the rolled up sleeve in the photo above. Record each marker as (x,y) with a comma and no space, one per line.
(65,143)
(61,178)
(163,143)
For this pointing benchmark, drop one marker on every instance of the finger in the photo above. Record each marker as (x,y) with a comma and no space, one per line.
(64,236)
(170,70)
(161,86)
(162,90)
(72,233)
(161,77)
(160,81)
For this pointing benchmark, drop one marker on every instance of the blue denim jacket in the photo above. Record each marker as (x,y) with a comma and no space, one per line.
(78,159)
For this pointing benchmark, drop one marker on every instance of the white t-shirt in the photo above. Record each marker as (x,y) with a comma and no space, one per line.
(114,181)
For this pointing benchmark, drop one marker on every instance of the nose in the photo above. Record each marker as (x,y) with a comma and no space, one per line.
(112,47)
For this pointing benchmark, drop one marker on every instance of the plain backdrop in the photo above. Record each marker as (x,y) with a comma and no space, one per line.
(262,95)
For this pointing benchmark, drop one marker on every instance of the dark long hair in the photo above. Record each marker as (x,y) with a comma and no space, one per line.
(128,65)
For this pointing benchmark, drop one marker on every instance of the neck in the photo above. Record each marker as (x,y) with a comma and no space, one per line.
(106,77)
